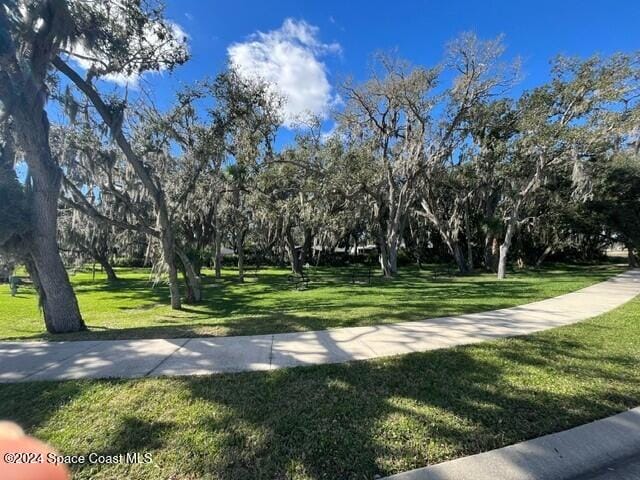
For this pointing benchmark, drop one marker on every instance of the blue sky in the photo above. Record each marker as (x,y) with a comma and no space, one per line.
(319,43)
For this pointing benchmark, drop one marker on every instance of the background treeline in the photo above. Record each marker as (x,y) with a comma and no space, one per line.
(425,163)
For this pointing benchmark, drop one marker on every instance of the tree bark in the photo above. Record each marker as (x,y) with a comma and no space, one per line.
(57,298)
(449,231)
(169,257)
(240,251)
(467,227)
(23,95)
(544,255)
(389,236)
(502,262)
(218,252)
(194,284)
(633,258)
(106,265)
(306,253)
(456,250)
(489,256)
(504,249)
(290,243)
(388,258)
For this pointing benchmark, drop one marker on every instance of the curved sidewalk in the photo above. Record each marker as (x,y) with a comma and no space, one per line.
(30,361)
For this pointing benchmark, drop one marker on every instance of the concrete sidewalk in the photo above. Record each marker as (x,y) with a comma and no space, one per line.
(30,361)
(607,449)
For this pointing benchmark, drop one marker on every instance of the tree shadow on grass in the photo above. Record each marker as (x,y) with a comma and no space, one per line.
(270,305)
(135,435)
(31,405)
(357,420)
(368,418)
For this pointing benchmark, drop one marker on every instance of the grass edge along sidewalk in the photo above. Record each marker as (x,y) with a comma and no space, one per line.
(131,308)
(351,421)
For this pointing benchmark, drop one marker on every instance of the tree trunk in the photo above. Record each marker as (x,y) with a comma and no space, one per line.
(456,251)
(169,257)
(31,126)
(217,239)
(502,262)
(318,253)
(306,253)
(384,262)
(389,238)
(459,257)
(218,252)
(506,243)
(633,258)
(490,251)
(389,259)
(57,299)
(294,261)
(449,236)
(240,250)
(469,255)
(194,284)
(106,265)
(495,252)
(393,259)
(138,165)
(467,227)
(544,255)
(504,251)
(384,256)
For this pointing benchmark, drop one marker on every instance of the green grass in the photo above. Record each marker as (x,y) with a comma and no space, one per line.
(266,303)
(350,421)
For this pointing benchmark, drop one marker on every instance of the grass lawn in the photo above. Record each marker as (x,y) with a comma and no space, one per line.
(266,303)
(349,421)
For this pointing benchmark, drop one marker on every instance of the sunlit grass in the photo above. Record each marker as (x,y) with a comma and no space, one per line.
(266,303)
(350,421)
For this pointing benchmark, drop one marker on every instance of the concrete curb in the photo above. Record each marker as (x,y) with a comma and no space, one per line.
(560,456)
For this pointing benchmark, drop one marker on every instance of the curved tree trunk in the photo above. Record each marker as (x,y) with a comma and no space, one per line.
(194,285)
(23,95)
(458,255)
(106,265)
(156,192)
(504,251)
(56,296)
(547,251)
(453,245)
(57,299)
(449,233)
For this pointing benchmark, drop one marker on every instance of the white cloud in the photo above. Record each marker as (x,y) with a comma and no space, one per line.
(289,59)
